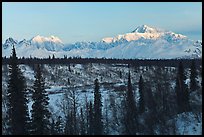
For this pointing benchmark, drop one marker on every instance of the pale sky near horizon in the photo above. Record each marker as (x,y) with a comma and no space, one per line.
(92,21)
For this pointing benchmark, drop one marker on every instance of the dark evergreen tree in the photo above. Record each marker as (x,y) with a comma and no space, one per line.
(69,127)
(18,118)
(182,90)
(141,94)
(114,110)
(98,125)
(82,123)
(106,121)
(69,68)
(68,81)
(90,120)
(74,113)
(53,56)
(5,117)
(131,122)
(40,112)
(86,114)
(128,66)
(152,118)
(179,96)
(193,77)
(161,83)
(120,74)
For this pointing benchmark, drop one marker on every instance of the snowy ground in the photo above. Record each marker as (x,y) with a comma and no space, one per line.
(82,82)
(189,124)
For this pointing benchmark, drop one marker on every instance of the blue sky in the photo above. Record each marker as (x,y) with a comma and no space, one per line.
(92,21)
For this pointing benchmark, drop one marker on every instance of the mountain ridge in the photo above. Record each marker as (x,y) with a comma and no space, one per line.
(143,42)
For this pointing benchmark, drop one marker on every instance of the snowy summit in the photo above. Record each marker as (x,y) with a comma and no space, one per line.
(146,29)
(145,42)
(145,32)
(41,39)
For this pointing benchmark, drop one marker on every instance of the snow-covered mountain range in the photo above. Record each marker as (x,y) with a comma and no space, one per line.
(143,42)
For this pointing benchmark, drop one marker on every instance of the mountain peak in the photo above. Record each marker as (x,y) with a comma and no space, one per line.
(41,39)
(143,31)
(10,40)
(146,29)
(9,43)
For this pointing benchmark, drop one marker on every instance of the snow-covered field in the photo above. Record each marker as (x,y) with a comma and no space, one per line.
(111,83)
(189,124)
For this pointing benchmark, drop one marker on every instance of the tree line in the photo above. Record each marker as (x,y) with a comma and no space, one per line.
(132,62)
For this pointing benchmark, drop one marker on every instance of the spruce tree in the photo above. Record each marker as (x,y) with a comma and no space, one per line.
(69,68)
(152,117)
(53,56)
(193,77)
(69,126)
(82,123)
(141,93)
(98,125)
(18,118)
(131,122)
(120,74)
(68,81)
(40,112)
(182,90)
(90,120)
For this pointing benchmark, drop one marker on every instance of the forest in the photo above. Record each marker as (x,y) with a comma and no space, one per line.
(120,97)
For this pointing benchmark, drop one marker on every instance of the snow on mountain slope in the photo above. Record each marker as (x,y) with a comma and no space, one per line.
(49,43)
(41,39)
(146,32)
(143,42)
(90,45)
(154,49)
